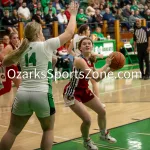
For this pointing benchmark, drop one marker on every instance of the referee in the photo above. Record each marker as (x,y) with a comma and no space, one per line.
(142,46)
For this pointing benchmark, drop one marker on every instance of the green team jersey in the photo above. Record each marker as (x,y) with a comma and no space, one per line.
(36,65)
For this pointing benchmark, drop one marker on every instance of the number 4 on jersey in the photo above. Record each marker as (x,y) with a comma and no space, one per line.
(31,59)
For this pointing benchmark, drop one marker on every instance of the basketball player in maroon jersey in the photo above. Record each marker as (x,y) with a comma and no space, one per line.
(77,95)
(9,75)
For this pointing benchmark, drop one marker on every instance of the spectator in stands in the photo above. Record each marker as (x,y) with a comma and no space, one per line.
(114,8)
(24,12)
(137,14)
(44,3)
(126,11)
(19,4)
(58,6)
(134,6)
(67,13)
(50,17)
(1,47)
(7,3)
(38,17)
(96,4)
(108,16)
(123,20)
(90,12)
(101,8)
(7,22)
(140,7)
(147,17)
(15,17)
(39,7)
(98,18)
(132,19)
(81,17)
(65,60)
(5,40)
(33,6)
(62,20)
(98,33)
(50,6)
(1,12)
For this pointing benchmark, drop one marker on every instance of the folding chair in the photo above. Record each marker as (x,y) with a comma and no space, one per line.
(129,52)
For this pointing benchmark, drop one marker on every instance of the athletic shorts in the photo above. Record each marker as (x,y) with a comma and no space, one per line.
(26,103)
(82,95)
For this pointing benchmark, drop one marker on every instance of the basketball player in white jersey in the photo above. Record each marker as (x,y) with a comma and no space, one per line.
(35,91)
(84,31)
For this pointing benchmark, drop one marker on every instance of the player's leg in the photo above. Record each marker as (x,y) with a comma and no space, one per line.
(95,105)
(95,89)
(47,125)
(79,109)
(17,123)
(43,105)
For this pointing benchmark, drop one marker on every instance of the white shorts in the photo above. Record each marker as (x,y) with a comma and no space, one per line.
(26,103)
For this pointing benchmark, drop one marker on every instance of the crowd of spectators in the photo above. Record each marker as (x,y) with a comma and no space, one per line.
(47,11)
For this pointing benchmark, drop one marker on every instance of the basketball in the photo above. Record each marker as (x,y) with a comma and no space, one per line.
(118,60)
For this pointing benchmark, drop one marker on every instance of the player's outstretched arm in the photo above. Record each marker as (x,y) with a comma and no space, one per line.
(67,35)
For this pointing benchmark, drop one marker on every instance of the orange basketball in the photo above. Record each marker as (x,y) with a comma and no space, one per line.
(118,60)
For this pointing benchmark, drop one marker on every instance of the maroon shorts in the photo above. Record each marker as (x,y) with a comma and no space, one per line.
(83,95)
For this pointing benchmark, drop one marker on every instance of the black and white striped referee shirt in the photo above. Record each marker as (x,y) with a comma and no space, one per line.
(141,35)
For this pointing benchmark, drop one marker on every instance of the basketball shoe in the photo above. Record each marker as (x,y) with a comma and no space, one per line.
(107,137)
(89,145)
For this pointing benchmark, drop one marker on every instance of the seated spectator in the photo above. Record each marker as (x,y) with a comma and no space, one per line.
(81,17)
(1,47)
(7,22)
(24,12)
(101,8)
(65,60)
(48,7)
(44,3)
(15,17)
(38,17)
(67,13)
(50,17)
(57,5)
(137,14)
(7,3)
(33,6)
(147,17)
(98,18)
(132,19)
(19,4)
(108,16)
(126,11)
(1,13)
(98,33)
(90,12)
(39,7)
(123,20)
(5,40)
(62,20)
(134,6)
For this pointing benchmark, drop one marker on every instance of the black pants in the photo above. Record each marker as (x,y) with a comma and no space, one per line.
(143,55)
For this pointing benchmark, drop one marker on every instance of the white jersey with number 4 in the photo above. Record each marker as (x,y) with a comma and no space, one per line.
(36,65)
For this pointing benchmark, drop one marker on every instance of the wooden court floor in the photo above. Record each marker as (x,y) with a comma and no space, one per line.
(127,101)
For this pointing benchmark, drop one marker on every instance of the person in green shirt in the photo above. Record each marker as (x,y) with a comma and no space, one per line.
(98,33)
(49,6)
(81,17)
